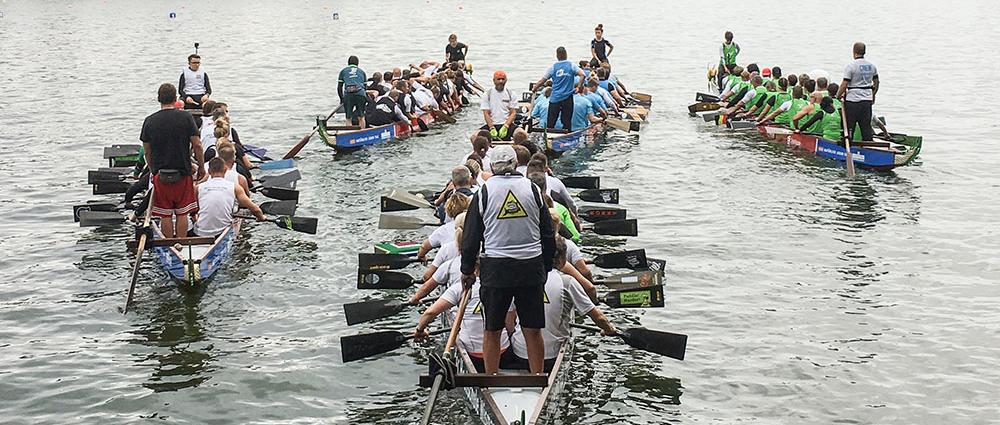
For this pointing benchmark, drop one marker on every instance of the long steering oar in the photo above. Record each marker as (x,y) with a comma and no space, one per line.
(847,143)
(302,143)
(366,311)
(357,347)
(446,356)
(664,343)
(140,249)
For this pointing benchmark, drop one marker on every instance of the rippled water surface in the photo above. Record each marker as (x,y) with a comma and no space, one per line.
(808,298)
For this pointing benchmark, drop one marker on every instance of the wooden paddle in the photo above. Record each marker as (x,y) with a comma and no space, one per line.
(401,200)
(366,311)
(140,249)
(622,125)
(847,143)
(665,343)
(302,143)
(447,355)
(357,347)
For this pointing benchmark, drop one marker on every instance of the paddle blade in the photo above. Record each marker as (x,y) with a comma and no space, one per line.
(282,180)
(640,279)
(93,206)
(710,117)
(665,343)
(357,347)
(374,262)
(100,218)
(628,227)
(582,182)
(298,224)
(658,266)
(277,165)
(386,221)
(649,297)
(279,207)
(598,214)
(95,177)
(387,204)
(111,187)
(115,151)
(384,280)
(633,259)
(623,125)
(408,198)
(367,311)
(705,97)
(606,196)
(279,193)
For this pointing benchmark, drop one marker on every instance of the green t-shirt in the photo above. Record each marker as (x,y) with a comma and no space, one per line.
(567,220)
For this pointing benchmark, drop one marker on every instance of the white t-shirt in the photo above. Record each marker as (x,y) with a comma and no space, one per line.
(442,235)
(861,77)
(471,333)
(573,253)
(555,185)
(499,104)
(447,252)
(216,201)
(785,106)
(749,96)
(562,295)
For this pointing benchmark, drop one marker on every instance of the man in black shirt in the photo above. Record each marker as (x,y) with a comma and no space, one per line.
(455,51)
(169,137)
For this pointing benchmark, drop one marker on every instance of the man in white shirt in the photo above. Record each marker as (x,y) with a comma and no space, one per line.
(217,198)
(858,91)
(499,108)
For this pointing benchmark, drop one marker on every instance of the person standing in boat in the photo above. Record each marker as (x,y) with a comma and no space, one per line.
(499,108)
(562,73)
(194,86)
(858,90)
(508,222)
(169,137)
(216,198)
(351,90)
(727,57)
(455,51)
(600,48)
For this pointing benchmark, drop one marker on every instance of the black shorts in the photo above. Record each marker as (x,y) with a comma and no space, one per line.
(354,105)
(197,101)
(505,280)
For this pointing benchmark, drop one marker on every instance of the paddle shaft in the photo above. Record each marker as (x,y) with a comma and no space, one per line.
(847,140)
(140,248)
(455,327)
(302,143)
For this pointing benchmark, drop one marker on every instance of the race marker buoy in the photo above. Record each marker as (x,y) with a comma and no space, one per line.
(172,15)
(336,16)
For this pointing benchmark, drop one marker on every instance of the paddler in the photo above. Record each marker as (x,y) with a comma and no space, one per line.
(768,92)
(749,94)
(216,198)
(385,111)
(227,151)
(584,113)
(561,102)
(455,51)
(444,234)
(807,112)
(775,98)
(600,48)
(508,222)
(784,112)
(351,90)
(499,108)
(858,90)
(727,57)
(193,86)
(826,122)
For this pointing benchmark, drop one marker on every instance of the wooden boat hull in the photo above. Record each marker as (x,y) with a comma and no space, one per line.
(908,147)
(207,259)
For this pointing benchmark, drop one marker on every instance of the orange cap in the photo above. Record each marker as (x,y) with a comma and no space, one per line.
(500,74)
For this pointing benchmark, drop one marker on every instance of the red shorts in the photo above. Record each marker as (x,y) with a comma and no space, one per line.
(170,199)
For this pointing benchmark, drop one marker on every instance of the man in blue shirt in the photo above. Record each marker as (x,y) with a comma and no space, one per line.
(595,99)
(351,89)
(562,74)
(583,112)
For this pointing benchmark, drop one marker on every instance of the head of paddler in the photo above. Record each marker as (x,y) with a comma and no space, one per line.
(592,85)
(738,70)
(729,37)
(827,104)
(453,40)
(376,77)
(798,93)
(859,50)
(521,154)
(468,66)
(816,97)
(560,259)
(770,86)
(775,72)
(561,53)
(194,62)
(217,167)
(481,145)
(457,203)
(353,60)
(504,160)
(227,152)
(397,73)
(745,75)
(499,79)
(475,166)
(166,95)
(207,107)
(756,81)
(809,85)
(832,89)
(548,92)
(520,138)
(766,72)
(459,228)
(803,77)
(783,84)
(793,80)
(461,176)
(821,83)
(584,64)
(753,68)
(538,178)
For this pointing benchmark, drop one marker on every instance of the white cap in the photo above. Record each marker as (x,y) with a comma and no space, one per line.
(503,154)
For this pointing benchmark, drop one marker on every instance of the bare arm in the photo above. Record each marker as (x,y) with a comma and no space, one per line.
(244,201)
(588,287)
(423,290)
(432,313)
(842,90)
(602,322)
(199,155)
(489,120)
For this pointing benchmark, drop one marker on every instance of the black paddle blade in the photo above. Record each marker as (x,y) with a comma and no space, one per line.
(711,117)
(648,297)
(280,194)
(367,311)
(111,187)
(374,262)
(93,206)
(598,214)
(582,182)
(281,180)
(633,259)
(607,196)
(279,207)
(115,151)
(665,343)
(388,204)
(659,266)
(705,97)
(357,347)
(95,177)
(384,280)
(100,218)
(298,224)
(628,227)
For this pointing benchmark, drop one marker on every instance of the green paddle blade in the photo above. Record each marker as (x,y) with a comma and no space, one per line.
(628,227)
(94,206)
(278,193)
(665,343)
(95,177)
(633,259)
(649,297)
(367,311)
(640,279)
(279,207)
(384,280)
(598,214)
(386,221)
(582,182)
(298,224)
(373,262)
(100,218)
(357,347)
(111,187)
(607,196)
(281,180)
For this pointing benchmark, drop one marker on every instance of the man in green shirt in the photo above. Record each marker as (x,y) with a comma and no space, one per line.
(351,89)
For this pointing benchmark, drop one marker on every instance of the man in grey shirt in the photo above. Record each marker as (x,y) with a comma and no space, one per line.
(858,92)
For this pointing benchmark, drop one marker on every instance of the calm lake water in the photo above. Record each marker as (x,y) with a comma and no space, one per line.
(808,298)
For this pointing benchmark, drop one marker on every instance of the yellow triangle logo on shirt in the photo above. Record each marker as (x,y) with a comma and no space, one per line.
(511,208)
(478,309)
(545,297)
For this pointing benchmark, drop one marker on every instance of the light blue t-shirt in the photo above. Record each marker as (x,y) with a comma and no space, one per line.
(581,109)
(597,102)
(541,112)
(562,74)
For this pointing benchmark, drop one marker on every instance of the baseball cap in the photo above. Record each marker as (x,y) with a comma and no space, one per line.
(766,72)
(503,154)
(500,74)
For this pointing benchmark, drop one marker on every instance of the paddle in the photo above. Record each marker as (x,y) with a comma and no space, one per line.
(277,165)
(622,125)
(658,266)
(711,116)
(89,218)
(705,97)
(648,297)
(386,221)
(140,249)
(665,343)
(446,356)
(298,224)
(633,259)
(257,152)
(280,180)
(847,143)
(401,200)
(357,347)
(302,143)
(441,116)
(278,193)
(95,206)
(385,280)
(628,227)
(366,311)
(703,107)
(640,279)
(279,207)
(107,188)
(115,151)
(98,177)
(420,123)
(598,214)
(374,262)
(607,196)
(582,182)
